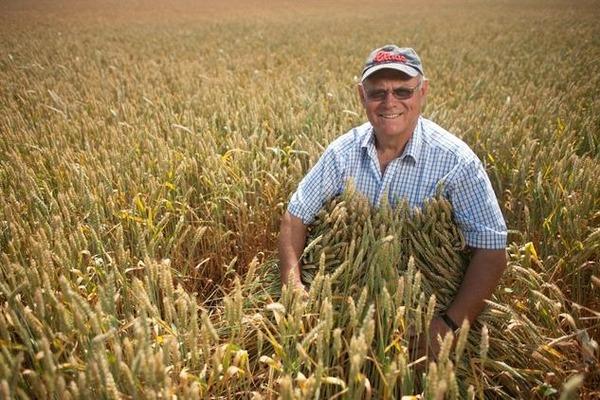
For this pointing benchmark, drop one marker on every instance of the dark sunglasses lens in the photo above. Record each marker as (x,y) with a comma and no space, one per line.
(376,95)
(402,93)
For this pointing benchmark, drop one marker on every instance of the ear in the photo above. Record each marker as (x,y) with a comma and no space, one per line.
(424,90)
(424,87)
(361,94)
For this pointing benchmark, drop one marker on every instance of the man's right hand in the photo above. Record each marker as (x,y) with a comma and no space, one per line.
(292,239)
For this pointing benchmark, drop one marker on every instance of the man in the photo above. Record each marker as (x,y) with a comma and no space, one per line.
(400,154)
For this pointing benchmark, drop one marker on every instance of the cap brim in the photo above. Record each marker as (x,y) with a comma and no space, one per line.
(408,70)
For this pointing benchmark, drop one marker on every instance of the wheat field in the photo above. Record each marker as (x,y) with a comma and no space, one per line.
(148,150)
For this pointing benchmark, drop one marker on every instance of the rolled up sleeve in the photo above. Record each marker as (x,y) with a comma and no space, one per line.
(476,207)
(322,182)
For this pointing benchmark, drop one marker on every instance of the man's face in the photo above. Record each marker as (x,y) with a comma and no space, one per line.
(390,111)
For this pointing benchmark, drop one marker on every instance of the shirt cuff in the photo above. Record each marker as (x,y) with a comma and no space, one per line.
(296,208)
(492,240)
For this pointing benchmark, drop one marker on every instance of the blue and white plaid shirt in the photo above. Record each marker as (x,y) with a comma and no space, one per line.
(432,156)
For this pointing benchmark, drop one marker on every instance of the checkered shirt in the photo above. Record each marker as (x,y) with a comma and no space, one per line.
(432,156)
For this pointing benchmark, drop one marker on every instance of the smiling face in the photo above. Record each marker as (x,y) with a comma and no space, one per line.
(393,117)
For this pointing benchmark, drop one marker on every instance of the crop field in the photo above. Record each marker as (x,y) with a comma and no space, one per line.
(148,150)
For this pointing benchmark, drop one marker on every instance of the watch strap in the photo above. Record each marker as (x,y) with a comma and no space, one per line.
(449,321)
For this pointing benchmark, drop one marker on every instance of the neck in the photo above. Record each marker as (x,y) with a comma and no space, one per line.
(391,146)
(389,149)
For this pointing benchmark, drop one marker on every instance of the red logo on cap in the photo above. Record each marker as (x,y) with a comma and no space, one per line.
(384,56)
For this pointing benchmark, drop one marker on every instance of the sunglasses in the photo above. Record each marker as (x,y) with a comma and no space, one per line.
(401,93)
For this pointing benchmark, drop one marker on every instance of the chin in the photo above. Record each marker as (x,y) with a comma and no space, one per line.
(390,131)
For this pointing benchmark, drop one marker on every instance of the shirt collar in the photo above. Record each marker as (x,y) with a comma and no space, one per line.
(369,138)
(413,146)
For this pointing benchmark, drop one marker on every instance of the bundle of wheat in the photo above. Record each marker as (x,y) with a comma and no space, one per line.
(374,274)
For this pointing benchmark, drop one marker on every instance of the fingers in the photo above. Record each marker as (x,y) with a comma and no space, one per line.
(419,347)
(301,292)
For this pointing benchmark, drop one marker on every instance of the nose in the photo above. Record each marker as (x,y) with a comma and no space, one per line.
(389,98)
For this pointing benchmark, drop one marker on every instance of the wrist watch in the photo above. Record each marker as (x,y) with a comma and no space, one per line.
(450,322)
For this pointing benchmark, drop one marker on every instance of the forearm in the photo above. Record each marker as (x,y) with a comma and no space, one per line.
(292,239)
(481,278)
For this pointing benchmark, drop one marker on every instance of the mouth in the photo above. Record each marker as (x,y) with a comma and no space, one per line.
(390,116)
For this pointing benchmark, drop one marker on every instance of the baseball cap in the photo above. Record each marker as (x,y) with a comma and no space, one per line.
(390,56)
